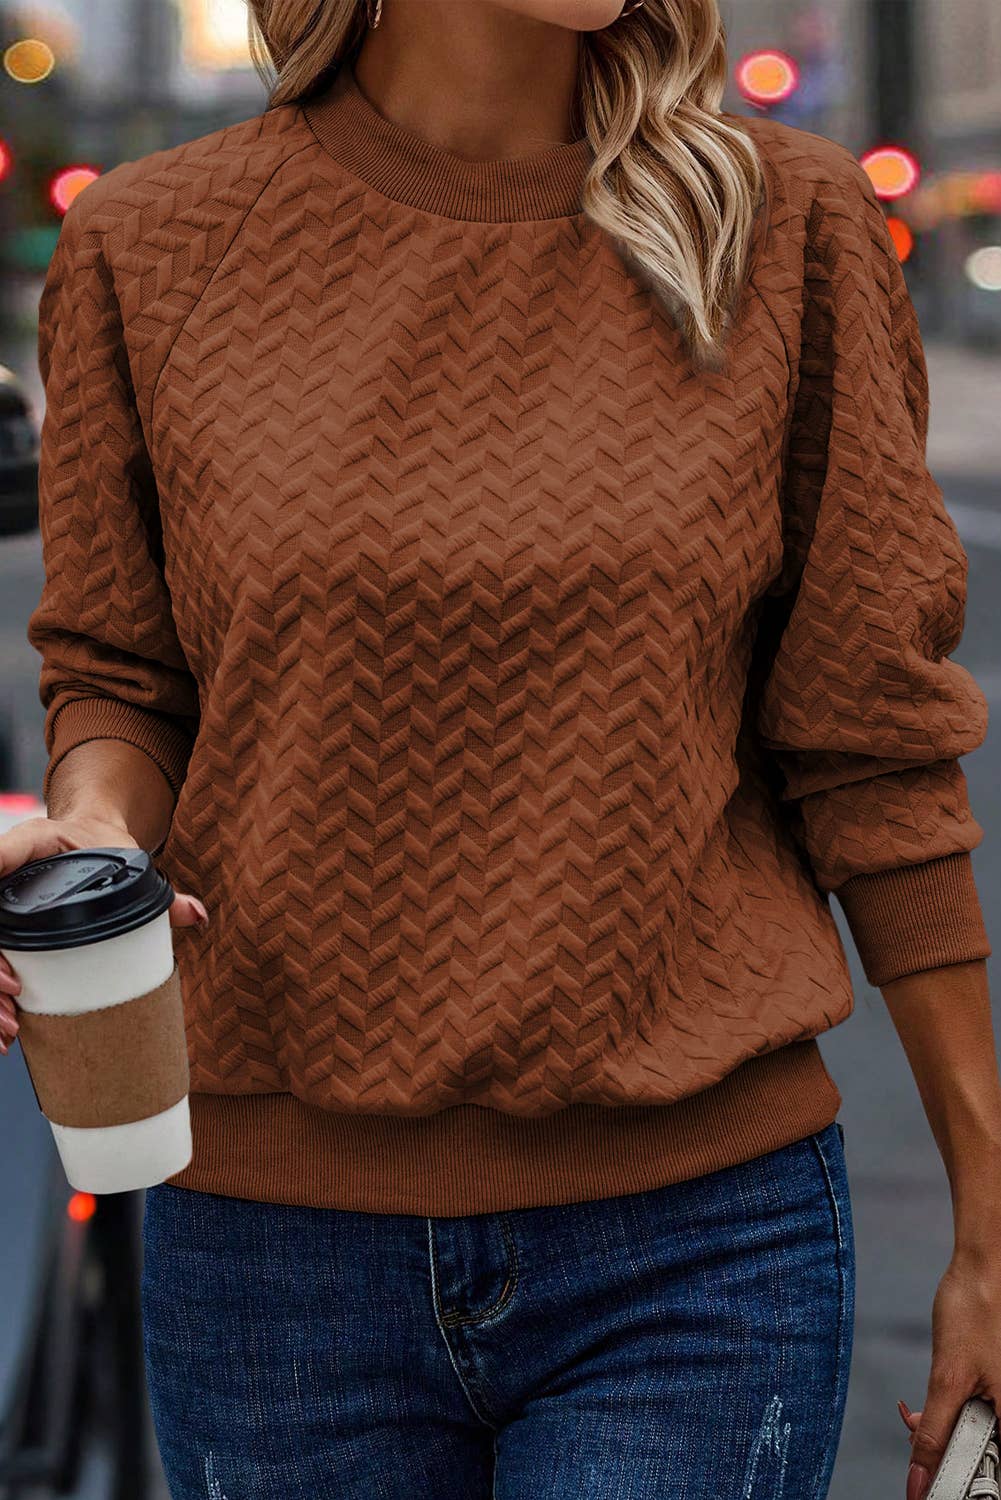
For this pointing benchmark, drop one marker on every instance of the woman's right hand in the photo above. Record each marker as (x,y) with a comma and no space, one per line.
(36,838)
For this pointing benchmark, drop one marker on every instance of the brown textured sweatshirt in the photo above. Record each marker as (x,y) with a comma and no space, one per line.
(526,693)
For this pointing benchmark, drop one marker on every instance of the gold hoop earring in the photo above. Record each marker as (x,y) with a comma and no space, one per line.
(374,17)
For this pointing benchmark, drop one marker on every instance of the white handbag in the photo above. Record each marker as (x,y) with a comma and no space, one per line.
(969,1466)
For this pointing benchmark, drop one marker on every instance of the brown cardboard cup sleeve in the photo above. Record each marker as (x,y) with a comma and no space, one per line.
(112,1065)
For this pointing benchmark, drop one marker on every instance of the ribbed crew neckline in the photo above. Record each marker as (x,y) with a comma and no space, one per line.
(404,166)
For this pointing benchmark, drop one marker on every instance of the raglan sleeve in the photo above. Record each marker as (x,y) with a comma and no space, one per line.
(861,709)
(112,665)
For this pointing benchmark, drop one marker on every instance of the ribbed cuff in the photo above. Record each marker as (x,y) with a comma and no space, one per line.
(917,917)
(83,719)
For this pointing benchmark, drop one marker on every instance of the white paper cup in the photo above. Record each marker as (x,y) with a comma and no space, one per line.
(101,1019)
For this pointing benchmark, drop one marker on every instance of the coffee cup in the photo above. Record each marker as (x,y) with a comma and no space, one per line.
(100,1013)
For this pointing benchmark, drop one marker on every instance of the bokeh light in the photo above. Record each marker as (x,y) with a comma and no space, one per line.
(766,77)
(985,192)
(29,60)
(983,268)
(901,235)
(892,170)
(67,182)
(13,804)
(81,1207)
(954,195)
(214,33)
(6,160)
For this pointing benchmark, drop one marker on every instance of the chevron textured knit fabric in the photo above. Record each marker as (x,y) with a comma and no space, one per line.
(526,692)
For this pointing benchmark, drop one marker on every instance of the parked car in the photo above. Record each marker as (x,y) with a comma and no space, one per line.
(19,442)
(19,445)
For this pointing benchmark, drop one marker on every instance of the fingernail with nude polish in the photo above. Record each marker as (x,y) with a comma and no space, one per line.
(905,1412)
(918,1482)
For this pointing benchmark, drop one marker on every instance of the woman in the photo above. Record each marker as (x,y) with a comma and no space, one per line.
(487,491)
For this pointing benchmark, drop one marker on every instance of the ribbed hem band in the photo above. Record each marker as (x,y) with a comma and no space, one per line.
(468,1159)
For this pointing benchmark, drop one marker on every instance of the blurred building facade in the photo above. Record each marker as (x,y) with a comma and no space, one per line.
(962,70)
(921,74)
(924,74)
(188,58)
(191,53)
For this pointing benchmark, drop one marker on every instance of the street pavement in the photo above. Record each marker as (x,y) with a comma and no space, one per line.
(900,1196)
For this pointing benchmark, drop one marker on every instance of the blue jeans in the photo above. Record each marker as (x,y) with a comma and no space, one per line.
(692,1341)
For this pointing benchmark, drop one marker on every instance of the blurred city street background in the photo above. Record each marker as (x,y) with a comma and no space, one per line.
(916,83)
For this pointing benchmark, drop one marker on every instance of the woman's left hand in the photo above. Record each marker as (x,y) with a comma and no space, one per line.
(966,1357)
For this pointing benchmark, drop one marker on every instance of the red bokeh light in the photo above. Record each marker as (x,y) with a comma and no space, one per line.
(766,77)
(17,802)
(893,171)
(67,182)
(81,1207)
(985,192)
(901,235)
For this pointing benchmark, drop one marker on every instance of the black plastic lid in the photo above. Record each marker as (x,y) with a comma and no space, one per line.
(80,896)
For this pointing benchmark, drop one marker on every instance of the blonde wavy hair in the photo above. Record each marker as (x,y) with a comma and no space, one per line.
(674,183)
